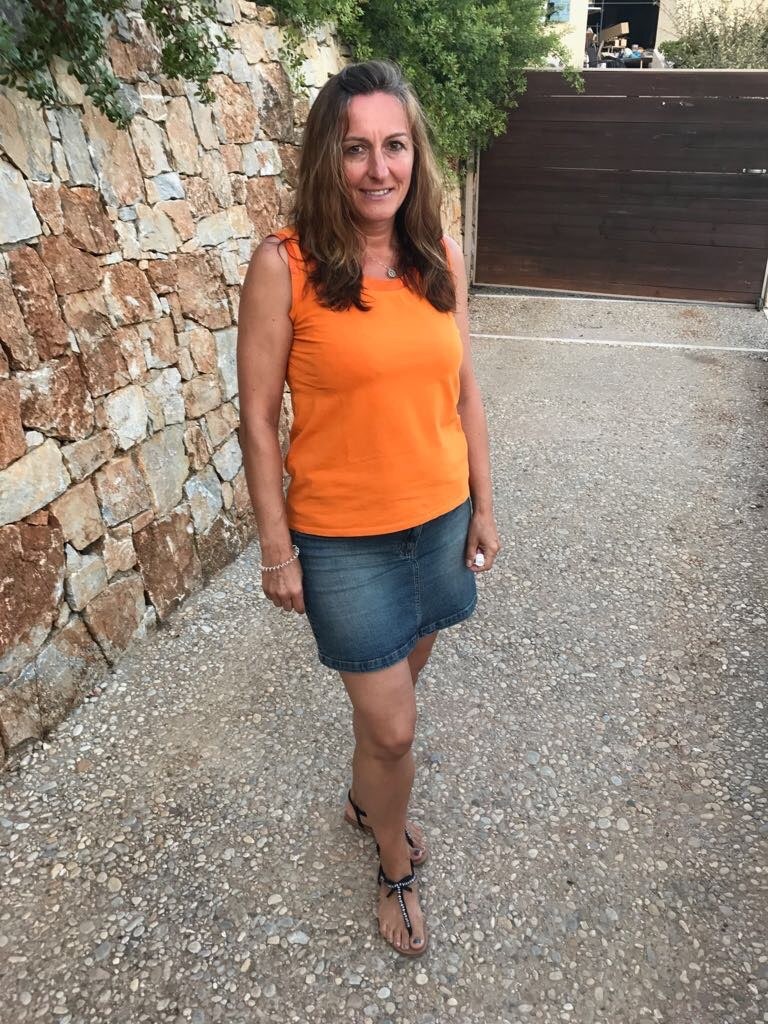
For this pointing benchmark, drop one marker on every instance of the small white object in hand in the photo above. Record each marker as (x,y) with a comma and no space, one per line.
(480,559)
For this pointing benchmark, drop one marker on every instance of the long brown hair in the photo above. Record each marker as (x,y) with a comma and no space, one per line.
(324,216)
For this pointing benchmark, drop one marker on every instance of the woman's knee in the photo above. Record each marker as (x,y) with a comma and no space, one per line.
(390,742)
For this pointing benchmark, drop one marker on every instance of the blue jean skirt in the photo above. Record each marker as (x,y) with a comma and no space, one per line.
(370,599)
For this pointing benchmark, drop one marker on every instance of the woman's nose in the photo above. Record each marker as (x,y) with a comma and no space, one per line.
(377,165)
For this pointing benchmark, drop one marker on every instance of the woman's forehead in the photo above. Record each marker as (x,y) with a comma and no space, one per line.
(376,114)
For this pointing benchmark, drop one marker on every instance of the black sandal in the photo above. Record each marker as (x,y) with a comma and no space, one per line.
(404,885)
(418,853)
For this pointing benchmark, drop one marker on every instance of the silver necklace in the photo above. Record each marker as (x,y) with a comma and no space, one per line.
(391,271)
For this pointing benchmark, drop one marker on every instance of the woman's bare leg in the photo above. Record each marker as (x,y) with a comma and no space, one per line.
(419,656)
(382,769)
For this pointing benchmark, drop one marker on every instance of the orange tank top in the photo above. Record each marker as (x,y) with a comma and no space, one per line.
(376,444)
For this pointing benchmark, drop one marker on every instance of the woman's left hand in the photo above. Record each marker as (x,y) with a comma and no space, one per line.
(482,539)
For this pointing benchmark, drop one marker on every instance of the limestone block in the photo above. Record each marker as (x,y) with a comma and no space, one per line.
(128,295)
(289,163)
(185,364)
(24,135)
(180,214)
(45,197)
(131,346)
(232,157)
(137,55)
(227,494)
(227,11)
(215,230)
(13,444)
(202,348)
(181,135)
(86,222)
(155,230)
(228,459)
(31,482)
(152,100)
(201,394)
(84,457)
(197,447)
(126,412)
(203,492)
(32,574)
(36,297)
(165,466)
(168,561)
(121,490)
(71,269)
(117,550)
(239,69)
(230,265)
(263,205)
(165,186)
(165,401)
(214,171)
(261,157)
(202,201)
(75,146)
(226,358)
(55,400)
(20,719)
(86,314)
(18,341)
(5,369)
(234,110)
(148,143)
(66,669)
(274,102)
(221,422)
(218,546)
(202,115)
(242,497)
(115,617)
(250,41)
(128,240)
(201,291)
(159,342)
(163,276)
(18,220)
(86,577)
(119,174)
(78,513)
(104,366)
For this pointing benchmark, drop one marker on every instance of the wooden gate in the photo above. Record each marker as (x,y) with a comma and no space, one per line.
(649,183)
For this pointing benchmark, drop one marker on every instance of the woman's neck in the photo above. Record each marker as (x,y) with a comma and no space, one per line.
(379,237)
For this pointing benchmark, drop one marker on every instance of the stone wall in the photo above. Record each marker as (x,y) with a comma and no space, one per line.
(121,259)
(121,480)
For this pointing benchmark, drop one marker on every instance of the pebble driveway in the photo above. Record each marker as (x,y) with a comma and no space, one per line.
(591,754)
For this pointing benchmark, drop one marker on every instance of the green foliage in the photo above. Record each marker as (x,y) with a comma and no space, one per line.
(35,31)
(465,59)
(719,35)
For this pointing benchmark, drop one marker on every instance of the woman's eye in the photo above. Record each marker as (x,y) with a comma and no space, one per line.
(396,144)
(353,151)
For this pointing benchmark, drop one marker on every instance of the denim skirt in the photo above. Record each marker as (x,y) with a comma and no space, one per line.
(370,599)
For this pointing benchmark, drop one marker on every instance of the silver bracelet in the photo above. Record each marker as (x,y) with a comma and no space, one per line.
(281,565)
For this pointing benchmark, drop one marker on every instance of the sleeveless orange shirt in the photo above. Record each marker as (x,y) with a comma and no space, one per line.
(376,444)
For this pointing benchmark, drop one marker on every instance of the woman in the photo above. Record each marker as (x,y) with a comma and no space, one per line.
(362,306)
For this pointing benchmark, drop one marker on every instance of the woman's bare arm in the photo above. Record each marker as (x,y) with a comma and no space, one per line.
(482,533)
(264,340)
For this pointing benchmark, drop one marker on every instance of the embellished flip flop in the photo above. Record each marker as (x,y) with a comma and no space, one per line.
(418,853)
(405,884)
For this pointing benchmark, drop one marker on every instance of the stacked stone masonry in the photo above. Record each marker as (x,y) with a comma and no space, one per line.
(122,254)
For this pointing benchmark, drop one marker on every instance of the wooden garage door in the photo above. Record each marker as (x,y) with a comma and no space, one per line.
(649,183)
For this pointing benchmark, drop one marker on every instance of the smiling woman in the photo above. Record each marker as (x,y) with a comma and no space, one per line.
(361,305)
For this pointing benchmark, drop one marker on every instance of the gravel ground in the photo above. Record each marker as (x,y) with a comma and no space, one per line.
(591,755)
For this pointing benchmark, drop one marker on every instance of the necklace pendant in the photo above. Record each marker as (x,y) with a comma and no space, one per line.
(391,272)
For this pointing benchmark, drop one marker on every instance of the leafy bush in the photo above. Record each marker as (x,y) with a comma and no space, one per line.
(723,35)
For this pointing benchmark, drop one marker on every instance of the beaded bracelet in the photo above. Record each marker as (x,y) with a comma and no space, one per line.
(282,565)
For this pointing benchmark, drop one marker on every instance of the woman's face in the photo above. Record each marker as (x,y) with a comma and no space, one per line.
(377,156)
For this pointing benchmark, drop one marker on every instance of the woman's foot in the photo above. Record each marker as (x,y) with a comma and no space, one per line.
(418,851)
(401,921)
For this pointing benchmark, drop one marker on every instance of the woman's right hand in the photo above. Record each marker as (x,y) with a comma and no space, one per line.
(284,588)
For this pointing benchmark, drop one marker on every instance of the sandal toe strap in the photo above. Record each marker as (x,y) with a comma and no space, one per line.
(405,884)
